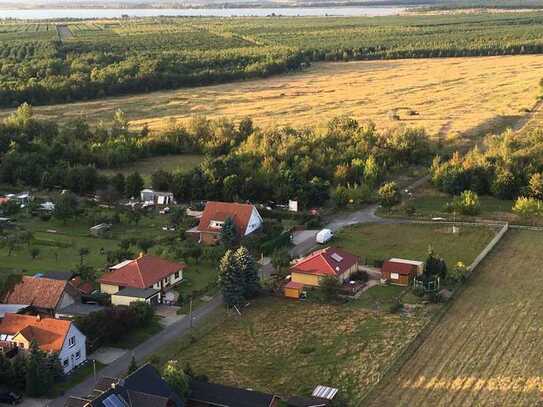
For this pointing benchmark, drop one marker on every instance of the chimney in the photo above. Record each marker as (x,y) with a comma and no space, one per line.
(141,255)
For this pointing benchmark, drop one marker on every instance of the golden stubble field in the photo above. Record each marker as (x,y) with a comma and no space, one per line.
(487,349)
(450,95)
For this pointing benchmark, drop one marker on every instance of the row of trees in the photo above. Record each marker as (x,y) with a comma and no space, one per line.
(242,162)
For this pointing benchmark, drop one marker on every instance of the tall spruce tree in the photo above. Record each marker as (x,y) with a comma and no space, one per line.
(37,381)
(230,280)
(229,235)
(248,269)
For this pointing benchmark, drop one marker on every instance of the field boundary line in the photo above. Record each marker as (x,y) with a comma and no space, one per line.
(435,319)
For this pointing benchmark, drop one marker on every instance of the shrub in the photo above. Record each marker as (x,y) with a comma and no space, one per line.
(467,203)
(389,195)
(361,276)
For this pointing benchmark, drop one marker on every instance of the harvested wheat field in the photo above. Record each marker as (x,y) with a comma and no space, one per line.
(487,349)
(450,95)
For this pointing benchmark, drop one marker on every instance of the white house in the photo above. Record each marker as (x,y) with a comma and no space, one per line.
(149,196)
(51,335)
(245,217)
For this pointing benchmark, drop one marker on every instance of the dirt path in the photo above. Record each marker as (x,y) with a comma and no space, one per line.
(64,32)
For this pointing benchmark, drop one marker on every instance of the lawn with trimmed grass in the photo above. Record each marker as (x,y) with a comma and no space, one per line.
(411,241)
(289,347)
(147,166)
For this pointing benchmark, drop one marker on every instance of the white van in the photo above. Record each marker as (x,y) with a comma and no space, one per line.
(324,236)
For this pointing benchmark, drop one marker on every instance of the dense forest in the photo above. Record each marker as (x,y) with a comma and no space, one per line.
(43,63)
(346,158)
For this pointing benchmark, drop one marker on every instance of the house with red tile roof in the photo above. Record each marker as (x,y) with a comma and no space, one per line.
(330,261)
(401,271)
(50,334)
(145,278)
(44,295)
(245,217)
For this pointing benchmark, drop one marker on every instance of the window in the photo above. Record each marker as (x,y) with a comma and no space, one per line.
(65,362)
(176,275)
(71,342)
(78,355)
(394,276)
(216,224)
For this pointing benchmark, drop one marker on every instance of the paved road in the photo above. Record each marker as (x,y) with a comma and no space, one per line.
(144,350)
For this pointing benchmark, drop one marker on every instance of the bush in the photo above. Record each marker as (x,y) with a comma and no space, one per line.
(467,203)
(395,307)
(360,276)
(389,195)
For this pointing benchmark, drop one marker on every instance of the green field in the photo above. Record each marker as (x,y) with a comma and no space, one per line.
(59,245)
(92,59)
(147,166)
(275,340)
(411,241)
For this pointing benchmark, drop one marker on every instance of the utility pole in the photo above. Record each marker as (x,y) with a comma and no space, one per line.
(94,369)
(190,311)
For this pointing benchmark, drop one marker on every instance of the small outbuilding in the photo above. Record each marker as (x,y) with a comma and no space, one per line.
(401,271)
(293,289)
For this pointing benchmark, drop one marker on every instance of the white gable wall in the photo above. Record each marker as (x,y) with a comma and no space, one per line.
(74,352)
(255,222)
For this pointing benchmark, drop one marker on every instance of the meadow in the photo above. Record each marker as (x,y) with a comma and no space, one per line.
(486,349)
(382,241)
(451,96)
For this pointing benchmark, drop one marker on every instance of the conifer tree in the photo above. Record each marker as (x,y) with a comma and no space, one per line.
(230,280)
(229,235)
(248,269)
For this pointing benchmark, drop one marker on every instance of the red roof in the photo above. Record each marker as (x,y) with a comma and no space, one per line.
(39,292)
(49,333)
(220,211)
(294,284)
(326,262)
(397,267)
(142,272)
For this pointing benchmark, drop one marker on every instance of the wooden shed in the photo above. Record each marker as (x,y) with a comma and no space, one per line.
(400,271)
(293,290)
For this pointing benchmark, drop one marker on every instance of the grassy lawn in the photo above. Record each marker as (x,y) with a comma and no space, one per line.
(411,241)
(59,243)
(147,166)
(137,336)
(430,203)
(289,347)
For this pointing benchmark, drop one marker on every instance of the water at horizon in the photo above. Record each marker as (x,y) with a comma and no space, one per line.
(37,14)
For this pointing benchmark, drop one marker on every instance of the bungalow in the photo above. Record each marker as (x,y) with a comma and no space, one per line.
(310,270)
(143,279)
(401,271)
(245,217)
(44,295)
(51,335)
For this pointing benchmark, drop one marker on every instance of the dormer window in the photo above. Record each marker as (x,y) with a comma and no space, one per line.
(216,224)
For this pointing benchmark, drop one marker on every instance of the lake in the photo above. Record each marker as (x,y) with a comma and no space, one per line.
(39,14)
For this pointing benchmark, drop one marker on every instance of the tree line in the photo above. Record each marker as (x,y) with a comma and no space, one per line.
(345,159)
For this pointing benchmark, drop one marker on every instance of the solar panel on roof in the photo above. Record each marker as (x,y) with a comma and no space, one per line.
(114,401)
(336,257)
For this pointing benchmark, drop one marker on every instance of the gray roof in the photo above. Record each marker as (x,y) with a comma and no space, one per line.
(137,292)
(78,309)
(11,309)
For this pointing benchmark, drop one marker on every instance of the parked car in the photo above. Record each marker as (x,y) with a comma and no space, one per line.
(324,236)
(9,397)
